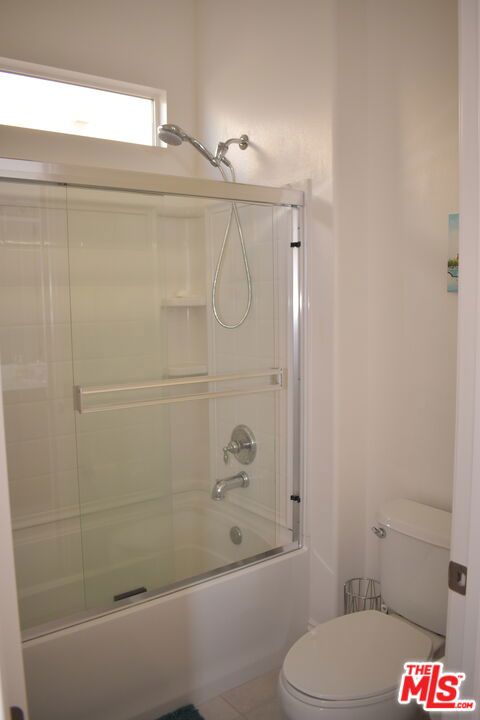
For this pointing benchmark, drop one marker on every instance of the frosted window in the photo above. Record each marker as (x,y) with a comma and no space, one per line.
(33,102)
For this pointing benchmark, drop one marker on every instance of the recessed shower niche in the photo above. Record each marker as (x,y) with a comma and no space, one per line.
(121,390)
(184,272)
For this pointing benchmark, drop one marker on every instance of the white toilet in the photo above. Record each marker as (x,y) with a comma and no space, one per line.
(349,668)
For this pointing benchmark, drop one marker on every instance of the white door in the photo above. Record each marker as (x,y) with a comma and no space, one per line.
(463,638)
(13,699)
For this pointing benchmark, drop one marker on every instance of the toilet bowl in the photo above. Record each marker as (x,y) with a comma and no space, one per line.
(349,668)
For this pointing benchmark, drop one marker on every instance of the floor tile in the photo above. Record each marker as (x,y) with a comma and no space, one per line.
(268,711)
(217,709)
(250,695)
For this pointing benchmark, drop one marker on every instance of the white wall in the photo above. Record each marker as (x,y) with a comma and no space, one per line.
(272,78)
(380,77)
(150,43)
(360,96)
(396,134)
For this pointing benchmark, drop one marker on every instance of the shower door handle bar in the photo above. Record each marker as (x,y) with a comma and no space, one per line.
(276,374)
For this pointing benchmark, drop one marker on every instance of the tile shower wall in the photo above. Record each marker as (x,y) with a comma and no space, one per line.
(181,239)
(104,288)
(37,379)
(117,334)
(258,344)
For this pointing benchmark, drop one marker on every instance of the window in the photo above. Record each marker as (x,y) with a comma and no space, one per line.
(42,98)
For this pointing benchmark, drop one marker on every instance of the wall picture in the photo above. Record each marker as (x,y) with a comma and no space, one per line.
(452,269)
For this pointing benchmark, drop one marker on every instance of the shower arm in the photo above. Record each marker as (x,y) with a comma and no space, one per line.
(174,135)
(222,148)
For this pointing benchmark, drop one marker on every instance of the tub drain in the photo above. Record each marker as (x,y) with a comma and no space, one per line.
(236,535)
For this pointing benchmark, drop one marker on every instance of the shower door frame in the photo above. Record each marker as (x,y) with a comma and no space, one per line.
(45,173)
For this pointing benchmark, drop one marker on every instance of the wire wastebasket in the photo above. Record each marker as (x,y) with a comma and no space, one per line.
(361,594)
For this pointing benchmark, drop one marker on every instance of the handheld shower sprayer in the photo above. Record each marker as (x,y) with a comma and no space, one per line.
(174,135)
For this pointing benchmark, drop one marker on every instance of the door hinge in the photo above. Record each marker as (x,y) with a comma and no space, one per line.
(296,244)
(295,498)
(457,578)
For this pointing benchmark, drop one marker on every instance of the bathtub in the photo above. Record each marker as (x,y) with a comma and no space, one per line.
(185,646)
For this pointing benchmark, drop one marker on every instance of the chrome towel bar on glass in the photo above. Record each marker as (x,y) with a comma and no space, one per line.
(277,378)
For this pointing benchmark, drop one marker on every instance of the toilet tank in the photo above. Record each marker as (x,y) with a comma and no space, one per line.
(414,556)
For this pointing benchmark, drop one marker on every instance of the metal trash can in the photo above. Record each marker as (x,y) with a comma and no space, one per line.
(361,594)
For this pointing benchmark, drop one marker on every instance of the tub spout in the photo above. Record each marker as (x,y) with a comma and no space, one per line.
(221,487)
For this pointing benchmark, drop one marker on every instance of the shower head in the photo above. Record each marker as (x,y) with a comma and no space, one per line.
(174,135)
(171,134)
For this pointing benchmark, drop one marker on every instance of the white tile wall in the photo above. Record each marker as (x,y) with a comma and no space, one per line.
(123,456)
(36,369)
(254,345)
(183,271)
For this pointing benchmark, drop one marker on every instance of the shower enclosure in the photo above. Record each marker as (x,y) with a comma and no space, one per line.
(126,403)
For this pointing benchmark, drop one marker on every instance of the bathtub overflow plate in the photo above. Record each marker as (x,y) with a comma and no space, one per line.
(236,535)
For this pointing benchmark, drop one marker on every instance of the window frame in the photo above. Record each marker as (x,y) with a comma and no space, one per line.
(72,77)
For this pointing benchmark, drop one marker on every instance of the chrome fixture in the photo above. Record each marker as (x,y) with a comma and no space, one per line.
(236,535)
(221,487)
(174,135)
(242,445)
(222,147)
(379,532)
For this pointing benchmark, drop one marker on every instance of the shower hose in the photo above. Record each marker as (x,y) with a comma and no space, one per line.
(233,215)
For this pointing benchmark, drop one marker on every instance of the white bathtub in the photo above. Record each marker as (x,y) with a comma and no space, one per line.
(148,543)
(183,647)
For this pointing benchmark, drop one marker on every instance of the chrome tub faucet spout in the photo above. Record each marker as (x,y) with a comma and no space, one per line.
(221,487)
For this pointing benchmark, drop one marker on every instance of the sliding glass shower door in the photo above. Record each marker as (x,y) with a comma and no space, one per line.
(178,430)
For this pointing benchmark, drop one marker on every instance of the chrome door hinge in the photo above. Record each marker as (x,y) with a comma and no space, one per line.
(457,578)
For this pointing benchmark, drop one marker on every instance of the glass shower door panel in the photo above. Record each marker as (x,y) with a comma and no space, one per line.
(117,333)
(36,365)
(259,343)
(161,385)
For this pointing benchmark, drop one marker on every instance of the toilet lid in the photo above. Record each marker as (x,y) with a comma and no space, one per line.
(355,656)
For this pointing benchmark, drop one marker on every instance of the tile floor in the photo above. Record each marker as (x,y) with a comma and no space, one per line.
(254,700)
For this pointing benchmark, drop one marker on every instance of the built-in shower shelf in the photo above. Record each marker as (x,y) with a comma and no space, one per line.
(177,371)
(185,301)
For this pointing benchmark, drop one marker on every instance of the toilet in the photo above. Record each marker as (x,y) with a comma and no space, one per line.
(349,668)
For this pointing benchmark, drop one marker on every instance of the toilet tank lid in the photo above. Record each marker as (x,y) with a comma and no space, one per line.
(418,521)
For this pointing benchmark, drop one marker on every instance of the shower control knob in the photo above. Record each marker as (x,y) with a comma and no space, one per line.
(242,445)
(232,448)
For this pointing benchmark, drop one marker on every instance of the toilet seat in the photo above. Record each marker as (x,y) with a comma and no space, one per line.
(353,659)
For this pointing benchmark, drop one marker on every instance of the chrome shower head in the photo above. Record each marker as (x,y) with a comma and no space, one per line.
(174,135)
(171,134)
